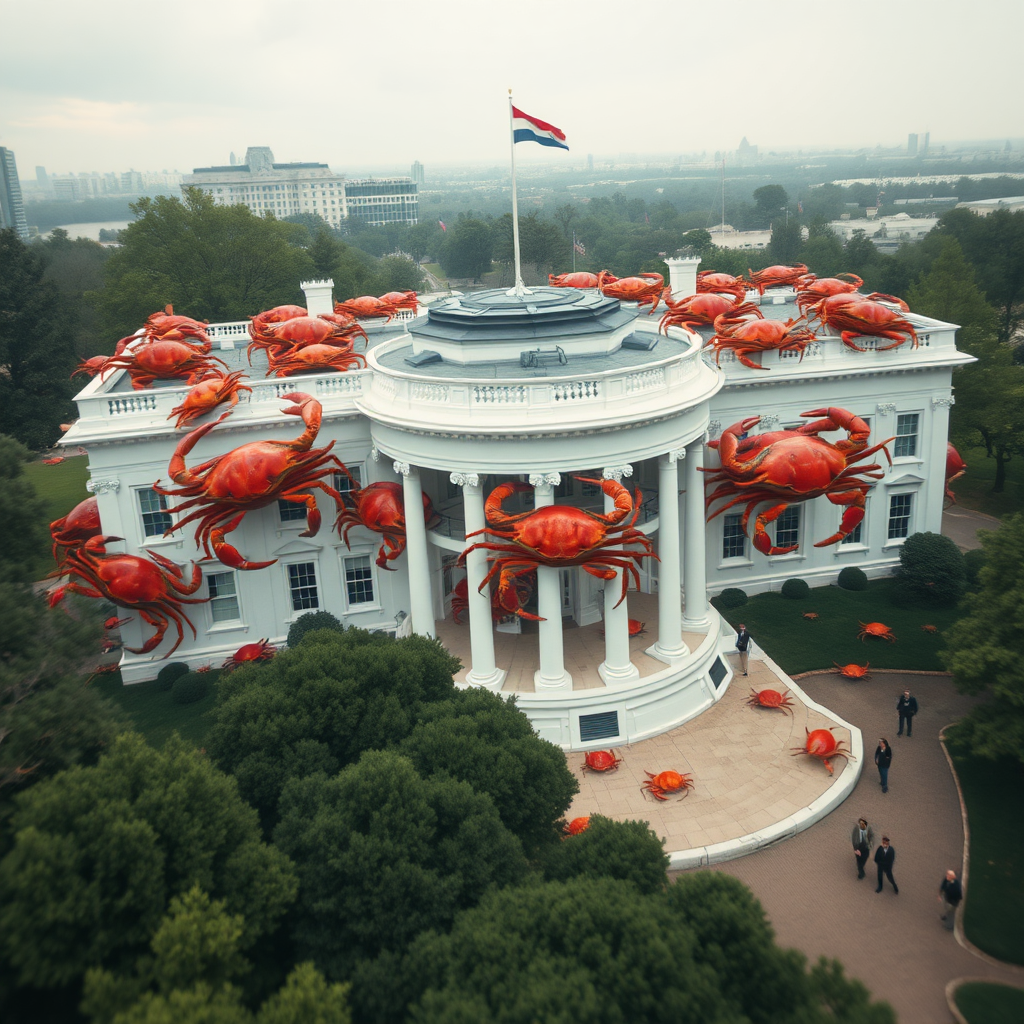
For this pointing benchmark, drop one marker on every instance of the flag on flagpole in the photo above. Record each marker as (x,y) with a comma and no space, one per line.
(532,129)
(443,228)
(578,246)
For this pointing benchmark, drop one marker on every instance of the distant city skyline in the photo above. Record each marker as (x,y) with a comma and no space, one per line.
(115,85)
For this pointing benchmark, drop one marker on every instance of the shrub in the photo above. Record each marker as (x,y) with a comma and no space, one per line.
(973,562)
(732,597)
(795,590)
(852,578)
(169,674)
(932,569)
(311,621)
(190,687)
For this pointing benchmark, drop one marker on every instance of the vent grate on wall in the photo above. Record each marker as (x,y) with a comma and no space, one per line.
(602,726)
(718,672)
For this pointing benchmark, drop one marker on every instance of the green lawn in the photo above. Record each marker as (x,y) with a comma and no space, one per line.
(974,489)
(802,645)
(155,713)
(62,488)
(982,1003)
(994,909)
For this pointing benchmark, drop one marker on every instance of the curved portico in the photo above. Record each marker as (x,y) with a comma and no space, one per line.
(548,389)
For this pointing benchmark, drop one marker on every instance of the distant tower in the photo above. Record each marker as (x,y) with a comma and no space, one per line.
(590,161)
(417,173)
(42,178)
(912,144)
(12,210)
(927,139)
(234,159)
(259,158)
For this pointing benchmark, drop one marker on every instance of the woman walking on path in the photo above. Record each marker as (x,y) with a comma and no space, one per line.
(883,758)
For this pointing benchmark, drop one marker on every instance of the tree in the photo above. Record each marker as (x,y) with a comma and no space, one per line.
(786,241)
(770,200)
(320,706)
(466,250)
(480,738)
(384,854)
(211,262)
(99,851)
(981,648)
(22,515)
(699,242)
(822,252)
(932,570)
(37,348)
(565,215)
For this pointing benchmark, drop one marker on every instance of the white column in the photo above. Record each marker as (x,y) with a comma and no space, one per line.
(421,604)
(682,275)
(669,646)
(616,667)
(552,674)
(319,296)
(695,581)
(483,671)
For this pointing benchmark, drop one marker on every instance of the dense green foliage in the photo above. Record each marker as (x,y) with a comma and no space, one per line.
(853,578)
(170,673)
(37,352)
(932,570)
(310,622)
(795,589)
(731,597)
(982,647)
(189,688)
(988,1003)
(22,519)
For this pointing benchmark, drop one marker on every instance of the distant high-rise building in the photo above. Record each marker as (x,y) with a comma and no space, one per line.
(417,173)
(12,210)
(927,139)
(234,160)
(131,182)
(42,178)
(912,144)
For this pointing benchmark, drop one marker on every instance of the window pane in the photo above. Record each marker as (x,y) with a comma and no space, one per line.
(787,527)
(734,541)
(899,515)
(223,597)
(155,519)
(906,435)
(359,579)
(290,512)
(343,485)
(302,581)
(855,536)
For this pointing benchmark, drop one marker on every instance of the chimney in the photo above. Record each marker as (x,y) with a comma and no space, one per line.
(319,296)
(682,275)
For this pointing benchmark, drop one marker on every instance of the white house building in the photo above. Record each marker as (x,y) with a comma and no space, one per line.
(560,384)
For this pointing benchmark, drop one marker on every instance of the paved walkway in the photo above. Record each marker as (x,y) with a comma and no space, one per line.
(808,885)
(962,526)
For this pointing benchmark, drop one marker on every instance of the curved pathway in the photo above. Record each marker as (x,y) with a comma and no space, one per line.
(808,885)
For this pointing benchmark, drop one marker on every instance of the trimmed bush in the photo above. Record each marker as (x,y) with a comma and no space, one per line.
(168,675)
(190,687)
(852,578)
(312,621)
(932,570)
(732,597)
(973,562)
(795,590)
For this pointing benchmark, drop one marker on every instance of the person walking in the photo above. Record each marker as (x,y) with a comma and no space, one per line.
(863,839)
(885,857)
(907,708)
(883,758)
(951,892)
(743,646)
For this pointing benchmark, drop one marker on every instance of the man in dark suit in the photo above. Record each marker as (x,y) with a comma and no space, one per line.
(885,857)
(907,708)
(863,839)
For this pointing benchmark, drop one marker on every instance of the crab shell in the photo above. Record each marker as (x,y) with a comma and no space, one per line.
(822,744)
(601,761)
(853,671)
(262,650)
(877,629)
(770,699)
(577,825)
(660,785)
(74,529)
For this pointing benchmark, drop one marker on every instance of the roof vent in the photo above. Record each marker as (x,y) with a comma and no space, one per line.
(640,342)
(538,357)
(423,358)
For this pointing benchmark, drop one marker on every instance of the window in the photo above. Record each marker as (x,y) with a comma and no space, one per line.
(290,511)
(899,515)
(734,540)
(156,520)
(344,486)
(223,596)
(856,537)
(787,528)
(906,436)
(564,489)
(302,583)
(448,563)
(359,579)
(590,490)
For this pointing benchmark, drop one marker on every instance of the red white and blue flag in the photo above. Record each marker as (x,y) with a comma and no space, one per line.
(532,129)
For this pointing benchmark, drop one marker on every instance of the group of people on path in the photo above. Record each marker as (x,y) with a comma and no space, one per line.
(863,836)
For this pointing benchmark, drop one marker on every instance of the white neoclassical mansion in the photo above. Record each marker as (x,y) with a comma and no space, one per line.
(560,384)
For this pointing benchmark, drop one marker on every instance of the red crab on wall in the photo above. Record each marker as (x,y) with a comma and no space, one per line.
(558,536)
(223,489)
(785,466)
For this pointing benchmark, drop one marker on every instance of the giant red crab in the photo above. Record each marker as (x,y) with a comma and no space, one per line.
(581,279)
(287,337)
(165,326)
(314,359)
(795,465)
(369,306)
(879,630)
(277,315)
(559,536)
(204,397)
(660,785)
(814,289)
(261,650)
(855,315)
(778,276)
(380,507)
(822,745)
(955,468)
(502,605)
(770,699)
(74,529)
(853,670)
(222,489)
(155,589)
(697,310)
(163,360)
(643,289)
(745,337)
(600,761)
(713,282)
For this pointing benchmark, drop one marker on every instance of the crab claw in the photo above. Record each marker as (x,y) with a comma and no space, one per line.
(230,555)
(57,595)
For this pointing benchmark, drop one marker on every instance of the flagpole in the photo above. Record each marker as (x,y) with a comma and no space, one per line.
(574,252)
(520,288)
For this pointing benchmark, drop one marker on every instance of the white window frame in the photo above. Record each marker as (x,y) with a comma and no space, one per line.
(341,483)
(149,539)
(374,604)
(744,558)
(915,456)
(293,612)
(898,540)
(294,519)
(223,625)
(792,510)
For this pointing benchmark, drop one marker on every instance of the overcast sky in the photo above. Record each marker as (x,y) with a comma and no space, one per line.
(118,84)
